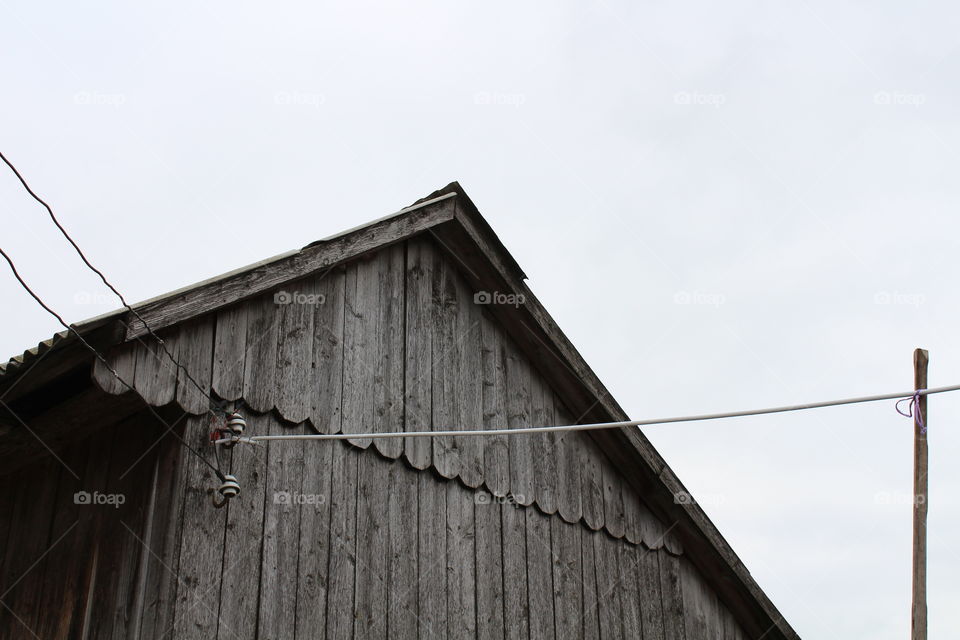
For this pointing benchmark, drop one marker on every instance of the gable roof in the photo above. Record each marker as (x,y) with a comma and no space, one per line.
(453,221)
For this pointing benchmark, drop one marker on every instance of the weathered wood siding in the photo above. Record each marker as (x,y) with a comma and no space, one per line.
(507,537)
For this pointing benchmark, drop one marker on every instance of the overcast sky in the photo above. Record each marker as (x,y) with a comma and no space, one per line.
(723,205)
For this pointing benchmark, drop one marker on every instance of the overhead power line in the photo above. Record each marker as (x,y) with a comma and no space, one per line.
(907,395)
(112,288)
(103,360)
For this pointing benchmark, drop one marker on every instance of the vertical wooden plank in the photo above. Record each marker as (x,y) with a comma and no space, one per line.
(373,349)
(518,416)
(341,574)
(651,602)
(516,613)
(496,456)
(632,515)
(609,589)
(447,350)
(539,575)
(418,386)
(568,578)
(123,360)
(404,561)
(545,451)
(230,351)
(568,467)
(651,529)
(591,481)
(195,344)
(164,537)
(694,602)
(327,379)
(201,545)
(671,593)
(260,363)
(432,549)
(314,551)
(613,516)
(591,596)
(489,561)
(295,340)
(629,591)
(373,546)
(461,567)
(244,538)
(469,386)
(281,538)
(155,377)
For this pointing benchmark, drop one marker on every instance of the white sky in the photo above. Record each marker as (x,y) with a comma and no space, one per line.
(787,168)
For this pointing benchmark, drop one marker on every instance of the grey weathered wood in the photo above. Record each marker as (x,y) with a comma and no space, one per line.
(195,343)
(694,602)
(545,450)
(609,587)
(260,278)
(314,549)
(496,453)
(373,547)
(568,578)
(516,612)
(918,612)
(280,539)
(671,595)
(343,542)
(613,516)
(404,562)
(123,360)
(627,563)
(327,379)
(260,364)
(651,601)
(156,374)
(651,529)
(461,567)
(295,341)
(432,550)
(201,559)
(591,481)
(447,350)
(469,384)
(522,485)
(632,515)
(539,575)
(230,351)
(568,467)
(489,561)
(418,384)
(591,608)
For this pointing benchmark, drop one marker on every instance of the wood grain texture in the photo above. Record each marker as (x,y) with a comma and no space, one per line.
(671,594)
(326,391)
(341,574)
(651,602)
(461,567)
(373,548)
(539,576)
(295,342)
(609,587)
(613,516)
(155,377)
(522,484)
(591,595)
(418,375)
(402,516)
(195,352)
(432,552)
(569,499)
(496,452)
(123,360)
(627,563)
(695,603)
(568,578)
(260,363)
(447,351)
(516,612)
(489,562)
(544,445)
(591,481)
(230,351)
(314,549)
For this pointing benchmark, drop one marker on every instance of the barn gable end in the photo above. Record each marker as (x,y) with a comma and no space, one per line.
(548,535)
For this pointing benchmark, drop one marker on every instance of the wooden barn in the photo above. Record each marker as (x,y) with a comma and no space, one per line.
(418,321)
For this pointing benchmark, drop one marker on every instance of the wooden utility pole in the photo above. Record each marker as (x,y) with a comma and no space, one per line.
(919,613)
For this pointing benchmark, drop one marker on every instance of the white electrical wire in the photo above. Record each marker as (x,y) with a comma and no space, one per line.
(586,427)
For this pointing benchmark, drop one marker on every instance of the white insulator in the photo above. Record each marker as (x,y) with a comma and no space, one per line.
(236,423)
(230,487)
